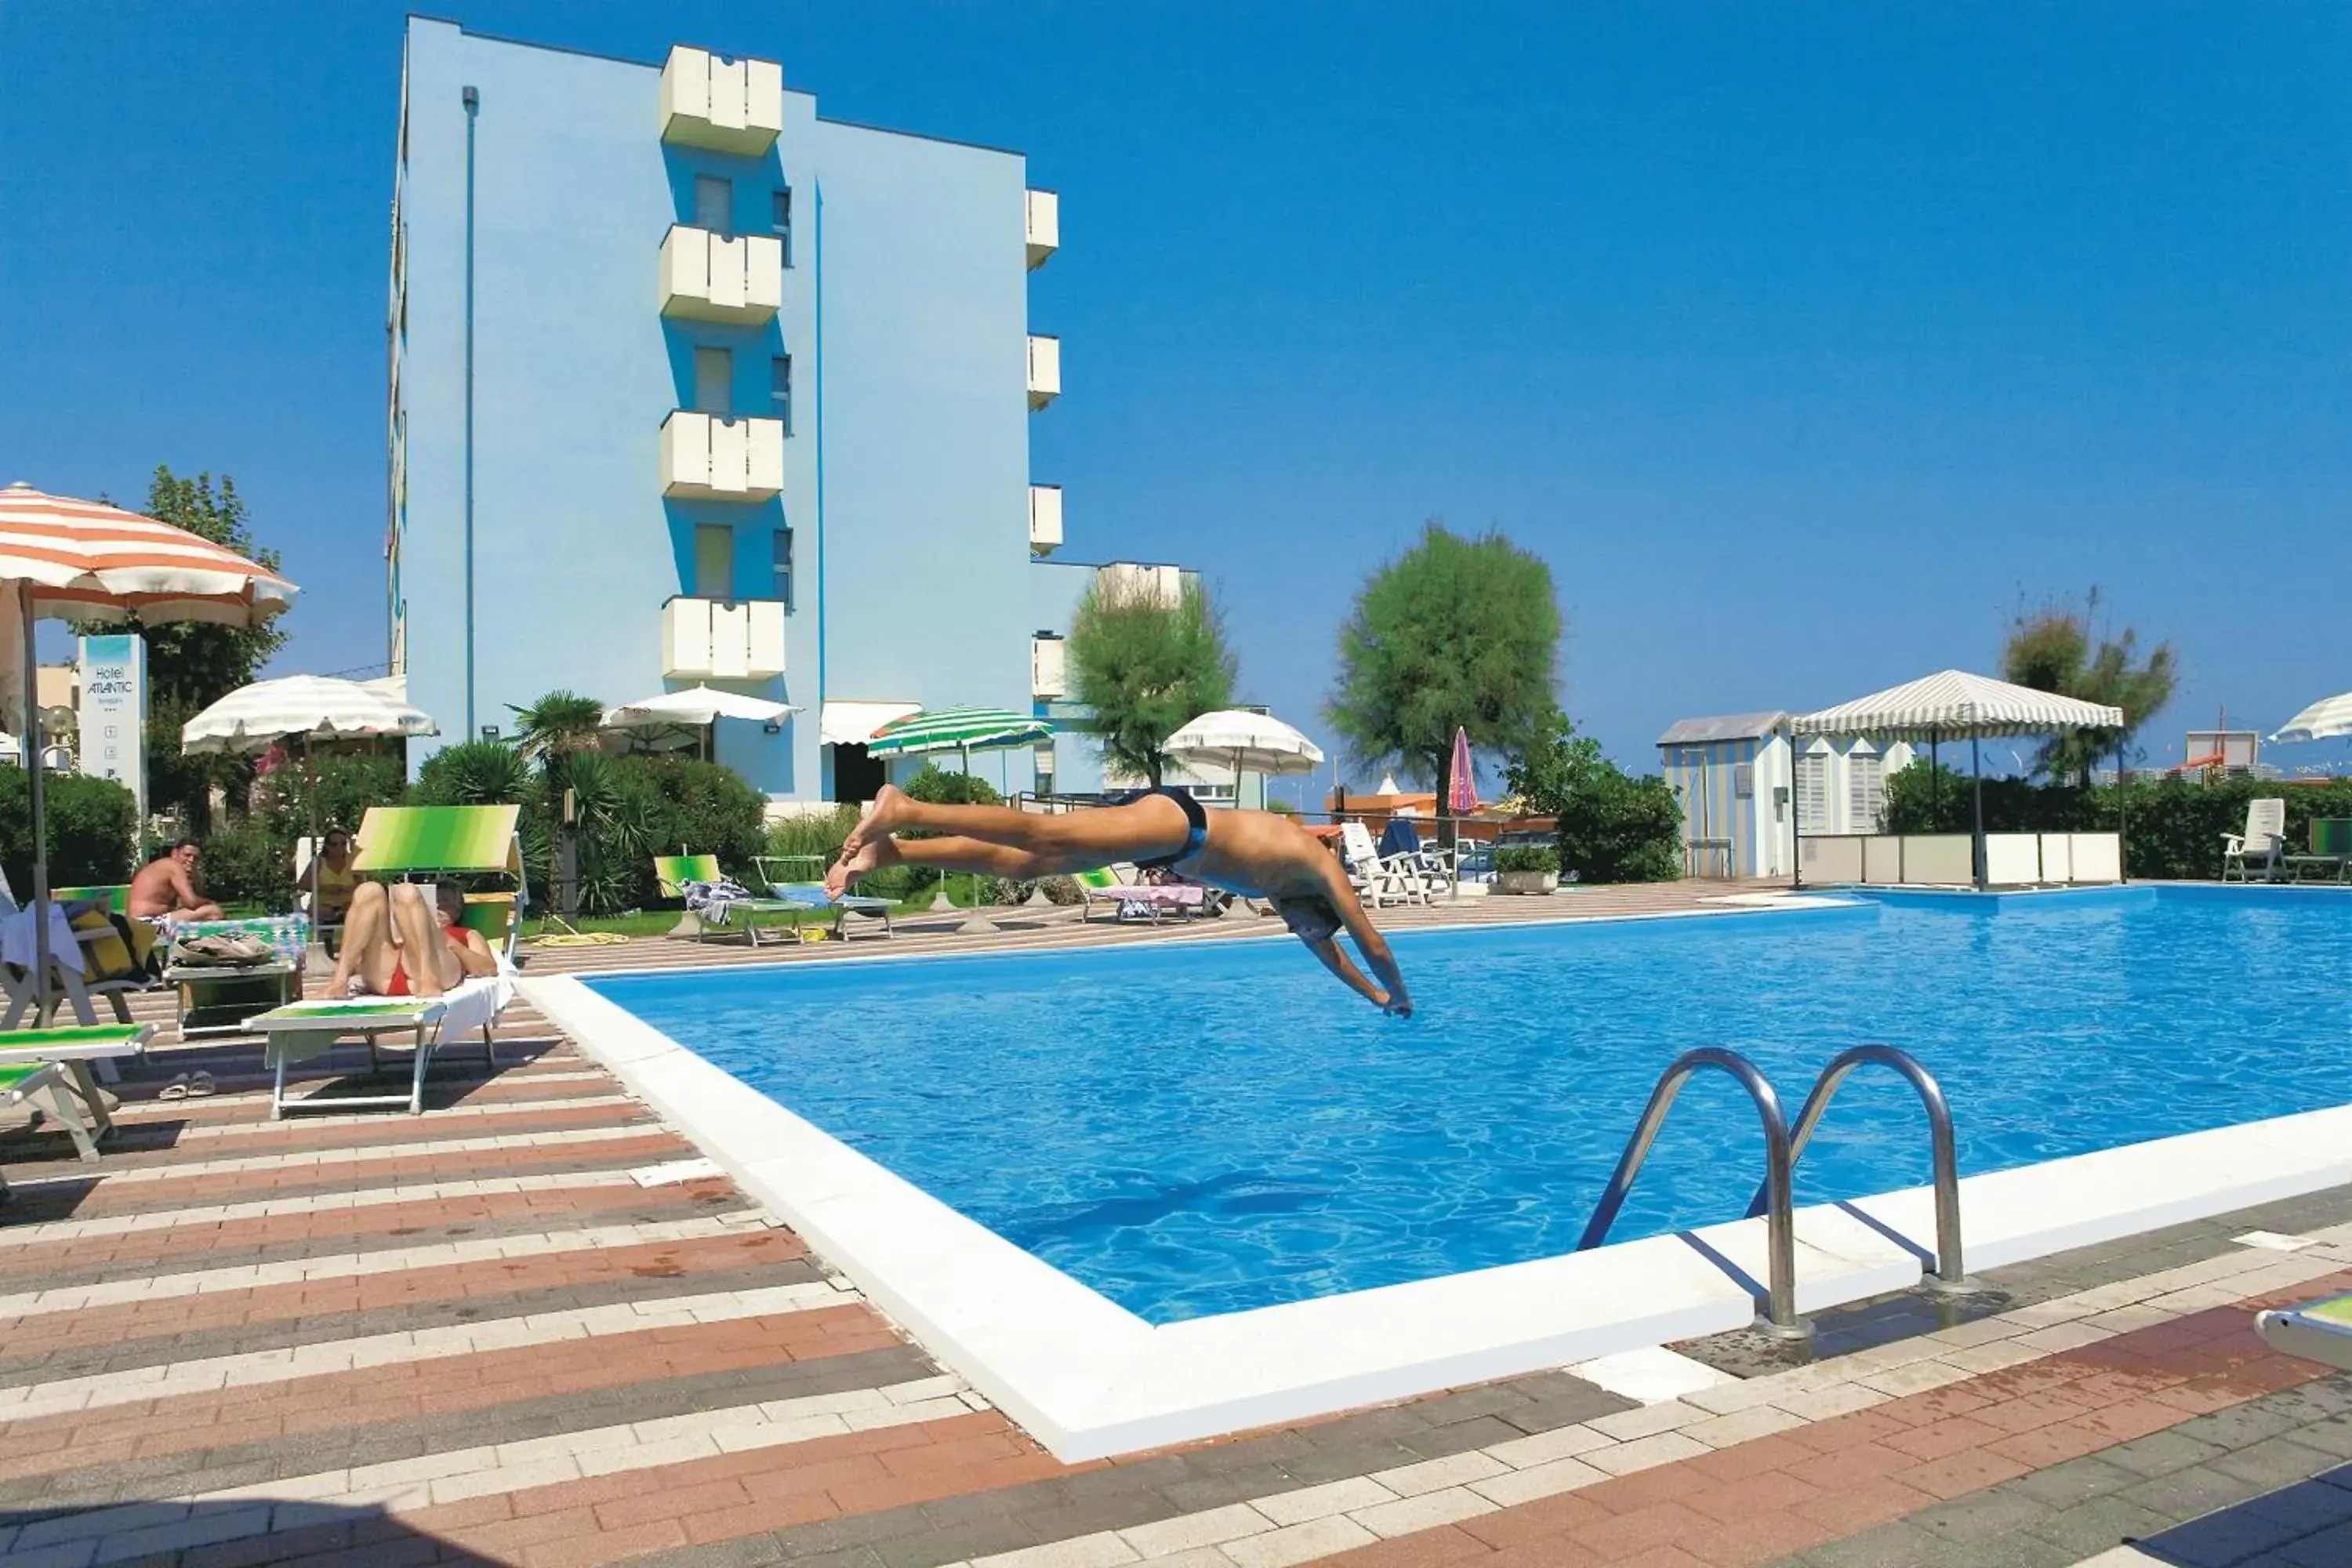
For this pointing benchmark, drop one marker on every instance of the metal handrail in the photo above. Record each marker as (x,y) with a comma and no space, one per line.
(1950,1261)
(1781,1225)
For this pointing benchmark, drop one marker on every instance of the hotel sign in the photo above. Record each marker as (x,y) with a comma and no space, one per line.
(113,714)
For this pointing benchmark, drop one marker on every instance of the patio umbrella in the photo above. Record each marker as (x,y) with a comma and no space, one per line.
(963,730)
(1953,703)
(2322,720)
(696,707)
(78,560)
(1234,736)
(314,707)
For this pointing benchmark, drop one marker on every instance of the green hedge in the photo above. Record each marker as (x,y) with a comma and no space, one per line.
(1526,858)
(91,824)
(2172,826)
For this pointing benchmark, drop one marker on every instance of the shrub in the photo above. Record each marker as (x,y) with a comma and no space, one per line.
(242,863)
(814,836)
(346,785)
(92,824)
(692,807)
(1527,858)
(474,773)
(1612,826)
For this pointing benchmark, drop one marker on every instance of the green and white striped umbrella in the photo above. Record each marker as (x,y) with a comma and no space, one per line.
(958,729)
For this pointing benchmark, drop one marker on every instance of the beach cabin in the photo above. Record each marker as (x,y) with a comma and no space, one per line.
(1731,775)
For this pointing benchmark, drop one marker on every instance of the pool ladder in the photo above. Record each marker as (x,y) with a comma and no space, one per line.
(1778,1307)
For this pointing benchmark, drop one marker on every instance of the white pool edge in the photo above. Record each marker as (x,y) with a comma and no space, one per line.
(1089,1379)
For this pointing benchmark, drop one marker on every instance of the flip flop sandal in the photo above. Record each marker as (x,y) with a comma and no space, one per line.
(175,1089)
(200,1085)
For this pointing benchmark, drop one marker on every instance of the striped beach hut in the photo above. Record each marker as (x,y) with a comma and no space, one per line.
(1731,775)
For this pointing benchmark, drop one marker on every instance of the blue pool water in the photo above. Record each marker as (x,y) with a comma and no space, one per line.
(1196,1129)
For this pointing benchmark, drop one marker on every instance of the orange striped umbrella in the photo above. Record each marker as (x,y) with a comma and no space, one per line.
(85,561)
(78,560)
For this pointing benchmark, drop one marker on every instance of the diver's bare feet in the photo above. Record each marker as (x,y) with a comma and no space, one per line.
(888,810)
(870,855)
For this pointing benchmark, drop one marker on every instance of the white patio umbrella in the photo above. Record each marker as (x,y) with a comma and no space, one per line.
(1242,741)
(1952,704)
(78,560)
(314,707)
(2323,720)
(696,707)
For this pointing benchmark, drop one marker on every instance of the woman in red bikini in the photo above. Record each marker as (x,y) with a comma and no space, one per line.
(396,942)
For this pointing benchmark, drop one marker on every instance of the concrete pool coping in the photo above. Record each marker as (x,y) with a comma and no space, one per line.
(1091,1379)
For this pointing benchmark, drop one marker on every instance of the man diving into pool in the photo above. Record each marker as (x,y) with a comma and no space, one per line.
(1253,854)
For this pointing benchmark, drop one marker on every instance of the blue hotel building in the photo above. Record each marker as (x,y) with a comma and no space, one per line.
(690,385)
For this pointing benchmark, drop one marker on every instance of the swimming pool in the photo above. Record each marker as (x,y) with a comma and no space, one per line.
(1197,1128)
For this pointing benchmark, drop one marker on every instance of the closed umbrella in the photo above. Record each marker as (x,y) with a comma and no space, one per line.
(962,730)
(1255,743)
(1462,798)
(78,560)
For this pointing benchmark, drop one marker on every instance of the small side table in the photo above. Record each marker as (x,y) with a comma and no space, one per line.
(218,998)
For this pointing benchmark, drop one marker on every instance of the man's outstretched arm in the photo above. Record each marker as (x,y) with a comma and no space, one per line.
(1372,944)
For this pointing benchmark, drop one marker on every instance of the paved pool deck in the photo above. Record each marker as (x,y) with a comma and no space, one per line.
(522,1329)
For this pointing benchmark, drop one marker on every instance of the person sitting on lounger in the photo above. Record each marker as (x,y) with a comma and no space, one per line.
(169,887)
(1253,854)
(405,941)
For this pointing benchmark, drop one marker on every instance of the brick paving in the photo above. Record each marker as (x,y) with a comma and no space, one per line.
(473,1336)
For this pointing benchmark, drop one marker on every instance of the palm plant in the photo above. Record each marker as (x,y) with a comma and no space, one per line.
(561,723)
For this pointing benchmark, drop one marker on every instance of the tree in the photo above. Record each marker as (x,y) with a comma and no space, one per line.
(558,725)
(2051,650)
(1455,633)
(190,666)
(1143,668)
(1612,826)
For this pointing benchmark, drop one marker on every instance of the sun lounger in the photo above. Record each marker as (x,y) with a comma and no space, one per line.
(304,1031)
(408,842)
(1132,900)
(709,904)
(97,951)
(56,1065)
(797,879)
(2331,849)
(2318,1331)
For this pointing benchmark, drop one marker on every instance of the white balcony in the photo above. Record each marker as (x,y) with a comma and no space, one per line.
(708,276)
(707,458)
(1044,519)
(1044,371)
(1044,222)
(730,106)
(1048,670)
(711,640)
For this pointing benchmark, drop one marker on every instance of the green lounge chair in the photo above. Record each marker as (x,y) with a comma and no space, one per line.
(409,842)
(56,1063)
(1137,901)
(673,872)
(2331,848)
(799,879)
(2318,1331)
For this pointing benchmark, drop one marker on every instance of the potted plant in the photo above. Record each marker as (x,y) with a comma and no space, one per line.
(1527,869)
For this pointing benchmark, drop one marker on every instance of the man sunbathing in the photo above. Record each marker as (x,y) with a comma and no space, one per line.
(397,942)
(168,887)
(1253,854)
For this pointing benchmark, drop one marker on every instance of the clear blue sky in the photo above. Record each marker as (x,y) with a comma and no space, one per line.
(1802,342)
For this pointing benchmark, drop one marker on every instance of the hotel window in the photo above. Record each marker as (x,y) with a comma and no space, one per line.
(779,220)
(714,374)
(714,561)
(780,393)
(784,566)
(714,204)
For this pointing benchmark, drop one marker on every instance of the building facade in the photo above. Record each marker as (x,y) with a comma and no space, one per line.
(1749,790)
(689,385)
